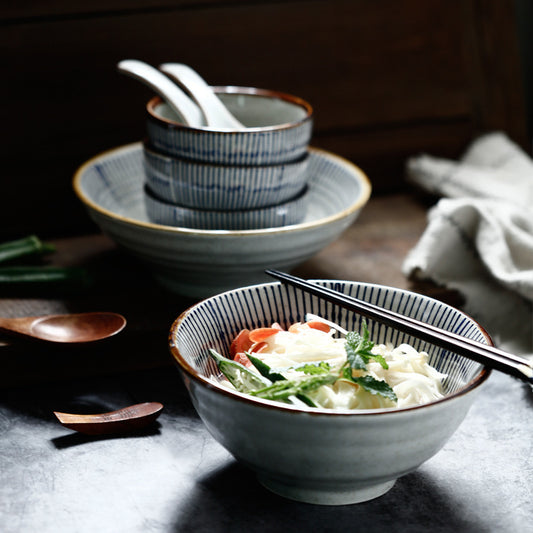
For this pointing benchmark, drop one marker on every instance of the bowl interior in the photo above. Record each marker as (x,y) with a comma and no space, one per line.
(252,109)
(215,322)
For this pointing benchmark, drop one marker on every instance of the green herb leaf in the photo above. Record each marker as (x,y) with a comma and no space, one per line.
(242,378)
(281,390)
(314,368)
(305,399)
(264,369)
(376,386)
(359,349)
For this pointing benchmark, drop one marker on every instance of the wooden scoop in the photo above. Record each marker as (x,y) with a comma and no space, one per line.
(68,328)
(124,420)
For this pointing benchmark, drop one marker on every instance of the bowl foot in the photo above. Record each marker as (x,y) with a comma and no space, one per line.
(335,495)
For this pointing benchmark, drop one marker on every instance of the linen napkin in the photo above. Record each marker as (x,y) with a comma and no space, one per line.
(479,237)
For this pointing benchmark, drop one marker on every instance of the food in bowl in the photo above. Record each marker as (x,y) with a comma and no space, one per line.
(307,365)
(318,455)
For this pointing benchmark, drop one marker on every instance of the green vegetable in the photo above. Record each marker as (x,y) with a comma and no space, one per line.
(300,399)
(38,274)
(359,350)
(267,372)
(271,385)
(374,386)
(281,390)
(242,378)
(321,367)
(27,246)
(264,369)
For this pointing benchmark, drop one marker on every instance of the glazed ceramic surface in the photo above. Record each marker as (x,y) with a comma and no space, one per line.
(287,213)
(317,455)
(279,128)
(200,263)
(210,186)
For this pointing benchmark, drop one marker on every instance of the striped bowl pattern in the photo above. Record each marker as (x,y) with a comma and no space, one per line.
(200,263)
(322,456)
(287,213)
(209,186)
(262,143)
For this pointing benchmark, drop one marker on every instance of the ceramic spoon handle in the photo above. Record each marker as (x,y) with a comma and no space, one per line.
(216,113)
(168,90)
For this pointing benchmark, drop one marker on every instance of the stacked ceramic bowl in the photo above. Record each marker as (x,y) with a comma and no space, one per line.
(227,179)
(209,210)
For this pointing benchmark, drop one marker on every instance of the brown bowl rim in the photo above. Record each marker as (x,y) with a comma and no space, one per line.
(233,89)
(238,396)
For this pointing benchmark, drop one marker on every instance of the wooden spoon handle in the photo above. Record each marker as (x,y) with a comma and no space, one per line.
(123,420)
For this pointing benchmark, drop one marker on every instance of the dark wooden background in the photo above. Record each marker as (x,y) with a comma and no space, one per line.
(387,79)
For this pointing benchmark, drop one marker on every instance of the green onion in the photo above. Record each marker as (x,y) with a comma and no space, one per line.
(43,277)
(282,390)
(27,246)
(264,369)
(242,378)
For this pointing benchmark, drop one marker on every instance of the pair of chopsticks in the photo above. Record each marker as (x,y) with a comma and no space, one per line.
(487,355)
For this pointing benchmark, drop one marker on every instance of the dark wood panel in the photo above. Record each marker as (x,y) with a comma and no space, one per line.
(382,152)
(11,12)
(386,79)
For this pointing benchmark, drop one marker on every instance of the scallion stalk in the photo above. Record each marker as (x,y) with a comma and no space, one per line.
(43,276)
(26,246)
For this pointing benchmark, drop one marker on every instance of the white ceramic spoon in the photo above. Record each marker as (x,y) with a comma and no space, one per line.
(164,87)
(216,113)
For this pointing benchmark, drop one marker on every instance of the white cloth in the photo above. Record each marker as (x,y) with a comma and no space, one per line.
(479,239)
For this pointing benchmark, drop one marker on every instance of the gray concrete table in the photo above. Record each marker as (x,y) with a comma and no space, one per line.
(174,477)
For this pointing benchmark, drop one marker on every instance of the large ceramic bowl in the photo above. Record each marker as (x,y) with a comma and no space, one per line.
(222,187)
(318,455)
(200,263)
(162,212)
(279,128)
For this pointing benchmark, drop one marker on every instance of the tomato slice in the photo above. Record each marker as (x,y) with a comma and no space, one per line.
(295,328)
(243,359)
(241,343)
(259,347)
(260,334)
(317,324)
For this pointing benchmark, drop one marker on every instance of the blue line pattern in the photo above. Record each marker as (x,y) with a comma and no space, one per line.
(216,321)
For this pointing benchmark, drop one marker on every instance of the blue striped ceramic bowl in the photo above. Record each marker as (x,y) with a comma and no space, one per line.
(279,128)
(322,456)
(162,212)
(223,187)
(200,263)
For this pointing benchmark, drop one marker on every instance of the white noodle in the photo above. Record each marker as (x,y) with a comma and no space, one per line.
(411,377)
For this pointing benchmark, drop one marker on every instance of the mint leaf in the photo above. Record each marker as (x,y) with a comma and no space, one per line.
(381,360)
(376,386)
(314,368)
(359,349)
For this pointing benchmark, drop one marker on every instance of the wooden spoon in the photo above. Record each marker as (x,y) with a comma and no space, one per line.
(130,418)
(69,328)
